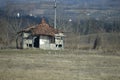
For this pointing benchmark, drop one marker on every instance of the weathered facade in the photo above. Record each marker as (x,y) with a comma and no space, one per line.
(41,36)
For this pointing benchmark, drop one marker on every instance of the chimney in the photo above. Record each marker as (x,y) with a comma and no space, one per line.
(43,21)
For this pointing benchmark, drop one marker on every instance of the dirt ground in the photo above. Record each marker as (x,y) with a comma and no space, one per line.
(59,65)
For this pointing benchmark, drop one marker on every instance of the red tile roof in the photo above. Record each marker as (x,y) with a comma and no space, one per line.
(42,29)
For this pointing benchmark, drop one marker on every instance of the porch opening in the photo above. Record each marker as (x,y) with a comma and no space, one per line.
(36,42)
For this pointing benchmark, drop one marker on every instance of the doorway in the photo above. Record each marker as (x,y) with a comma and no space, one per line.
(36,42)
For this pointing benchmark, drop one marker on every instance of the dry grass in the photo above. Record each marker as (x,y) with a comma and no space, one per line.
(58,65)
(108,41)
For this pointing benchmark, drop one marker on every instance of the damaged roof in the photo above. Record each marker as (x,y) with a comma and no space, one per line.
(42,29)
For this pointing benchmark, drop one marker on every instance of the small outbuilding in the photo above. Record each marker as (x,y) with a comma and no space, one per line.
(41,36)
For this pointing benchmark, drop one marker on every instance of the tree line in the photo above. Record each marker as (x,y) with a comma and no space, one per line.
(10,25)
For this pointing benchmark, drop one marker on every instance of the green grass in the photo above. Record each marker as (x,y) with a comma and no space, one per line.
(58,65)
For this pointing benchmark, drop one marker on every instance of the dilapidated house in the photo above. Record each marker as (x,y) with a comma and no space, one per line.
(41,36)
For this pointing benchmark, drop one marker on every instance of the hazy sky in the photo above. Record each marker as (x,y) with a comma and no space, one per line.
(112,3)
(89,1)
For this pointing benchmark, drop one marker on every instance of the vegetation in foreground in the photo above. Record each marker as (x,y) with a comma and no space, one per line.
(59,65)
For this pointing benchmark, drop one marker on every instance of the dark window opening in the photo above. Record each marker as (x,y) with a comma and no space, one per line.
(59,45)
(52,39)
(29,45)
(56,45)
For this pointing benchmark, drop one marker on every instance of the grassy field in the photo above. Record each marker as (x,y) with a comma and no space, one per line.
(59,65)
